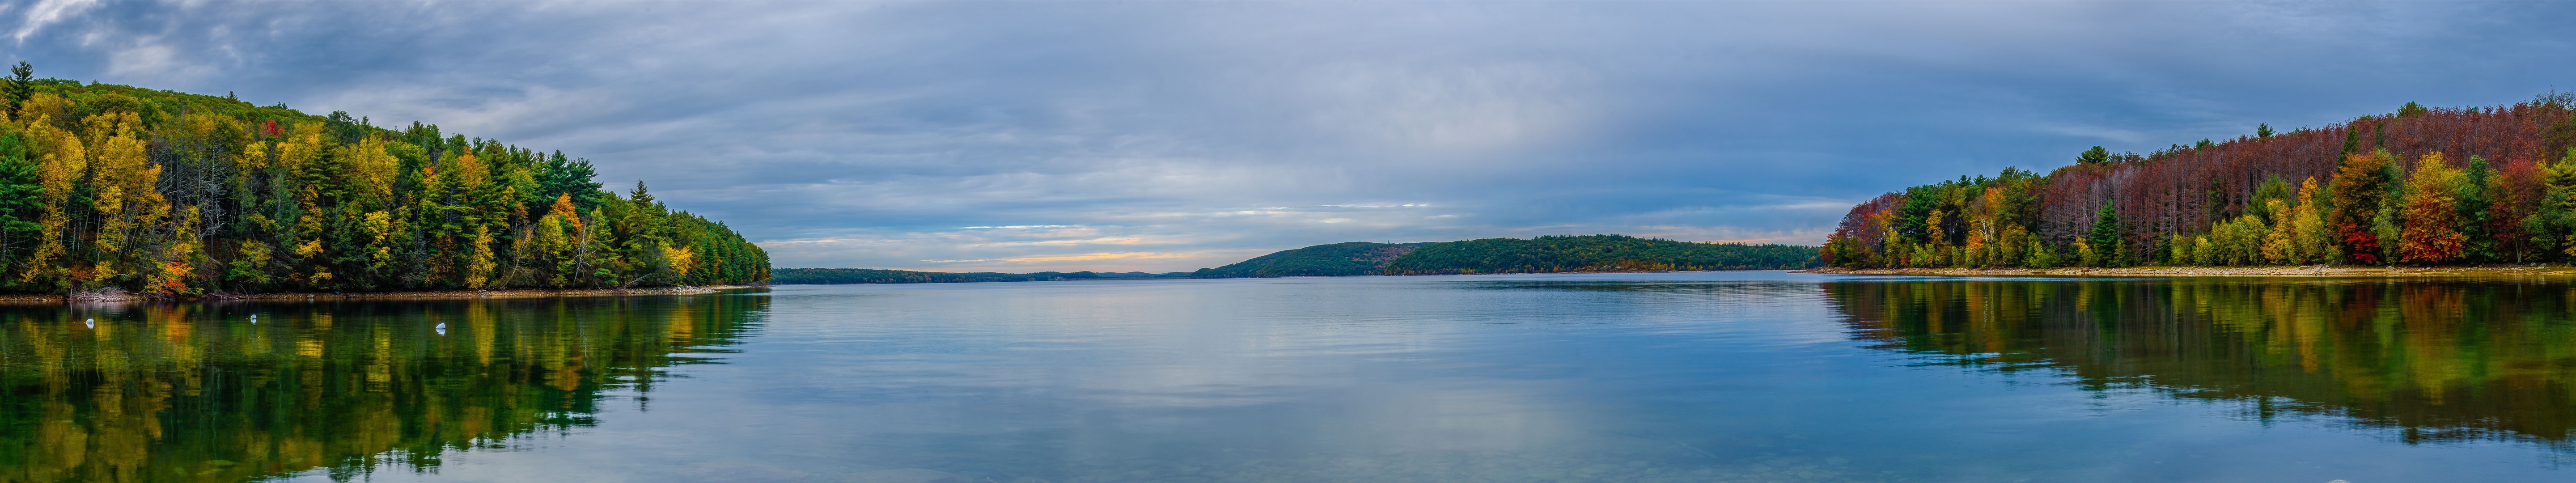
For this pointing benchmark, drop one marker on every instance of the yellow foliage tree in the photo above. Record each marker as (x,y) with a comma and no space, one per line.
(2430,232)
(2308,229)
(122,194)
(64,161)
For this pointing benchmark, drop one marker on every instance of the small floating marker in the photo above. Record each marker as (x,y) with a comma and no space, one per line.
(92,323)
(254,318)
(441,326)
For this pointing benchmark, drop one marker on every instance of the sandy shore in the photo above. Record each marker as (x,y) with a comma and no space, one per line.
(2305,271)
(418,295)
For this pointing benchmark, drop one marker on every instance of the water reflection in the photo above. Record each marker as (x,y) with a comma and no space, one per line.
(1471,379)
(204,393)
(2432,360)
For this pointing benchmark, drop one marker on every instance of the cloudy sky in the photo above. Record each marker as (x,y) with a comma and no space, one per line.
(1173,136)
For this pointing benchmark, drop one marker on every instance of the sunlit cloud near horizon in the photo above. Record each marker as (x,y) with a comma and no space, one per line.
(1173,136)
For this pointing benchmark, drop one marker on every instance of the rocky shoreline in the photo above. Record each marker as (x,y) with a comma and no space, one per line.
(2297,271)
(122,296)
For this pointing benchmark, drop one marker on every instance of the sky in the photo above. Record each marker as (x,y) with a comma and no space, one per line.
(1171,136)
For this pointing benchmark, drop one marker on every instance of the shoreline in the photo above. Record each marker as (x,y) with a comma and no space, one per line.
(2275,271)
(119,296)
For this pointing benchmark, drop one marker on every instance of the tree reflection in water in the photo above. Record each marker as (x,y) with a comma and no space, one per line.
(2434,360)
(197,392)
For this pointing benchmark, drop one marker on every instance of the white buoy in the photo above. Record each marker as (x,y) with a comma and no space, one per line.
(254,318)
(92,323)
(441,326)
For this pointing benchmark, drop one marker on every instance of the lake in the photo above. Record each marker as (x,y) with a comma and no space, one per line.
(1743,376)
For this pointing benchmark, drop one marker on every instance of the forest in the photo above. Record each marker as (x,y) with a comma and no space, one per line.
(109,187)
(2419,186)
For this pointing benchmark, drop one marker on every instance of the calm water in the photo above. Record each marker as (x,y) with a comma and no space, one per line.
(1648,377)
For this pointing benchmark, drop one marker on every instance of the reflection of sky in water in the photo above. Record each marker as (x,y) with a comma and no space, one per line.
(1644,377)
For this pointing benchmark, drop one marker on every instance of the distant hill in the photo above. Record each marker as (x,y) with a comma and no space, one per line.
(1547,254)
(1339,259)
(1596,253)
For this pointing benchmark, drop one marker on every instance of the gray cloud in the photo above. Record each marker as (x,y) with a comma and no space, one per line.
(1163,136)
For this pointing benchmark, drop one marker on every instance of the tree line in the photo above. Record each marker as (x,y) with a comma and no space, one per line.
(2420,186)
(116,187)
(1596,253)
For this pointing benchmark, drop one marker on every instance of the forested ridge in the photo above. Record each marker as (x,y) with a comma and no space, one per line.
(1338,259)
(1596,253)
(2420,186)
(116,187)
(1546,254)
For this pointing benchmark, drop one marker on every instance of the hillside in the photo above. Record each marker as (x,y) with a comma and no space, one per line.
(1589,253)
(2420,186)
(108,187)
(1546,254)
(809,276)
(1339,259)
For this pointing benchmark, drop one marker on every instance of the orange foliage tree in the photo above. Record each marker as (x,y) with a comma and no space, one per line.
(2430,232)
(2358,187)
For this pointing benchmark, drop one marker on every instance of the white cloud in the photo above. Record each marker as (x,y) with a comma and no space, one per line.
(48,12)
(1175,136)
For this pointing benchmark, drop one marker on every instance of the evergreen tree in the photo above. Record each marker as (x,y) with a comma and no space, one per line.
(2474,211)
(21,202)
(565,176)
(2094,156)
(22,86)
(2105,237)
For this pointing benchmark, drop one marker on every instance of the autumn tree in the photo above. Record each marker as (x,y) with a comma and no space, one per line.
(2431,226)
(2358,186)
(2310,234)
